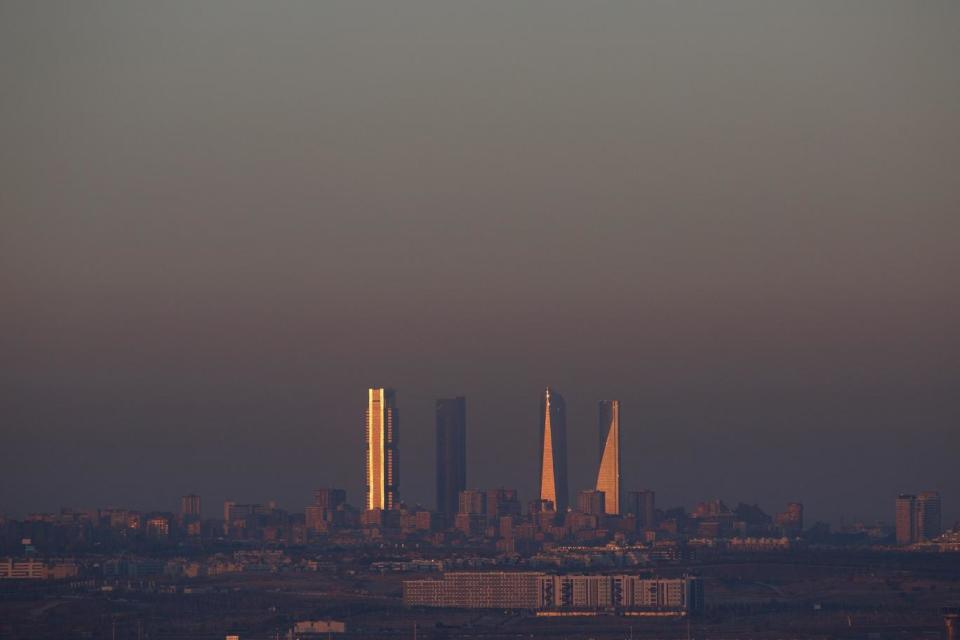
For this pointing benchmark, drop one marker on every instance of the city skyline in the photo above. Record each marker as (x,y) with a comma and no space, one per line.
(607,320)
(915,518)
(738,219)
(451,414)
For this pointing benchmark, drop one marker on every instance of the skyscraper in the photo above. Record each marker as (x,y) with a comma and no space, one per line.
(927,525)
(592,503)
(918,517)
(608,474)
(190,506)
(382,436)
(553,450)
(451,454)
(906,518)
(473,502)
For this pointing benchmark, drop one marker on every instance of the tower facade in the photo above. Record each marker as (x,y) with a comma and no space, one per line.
(927,519)
(592,503)
(451,454)
(608,474)
(383,456)
(553,450)
(642,504)
(190,506)
(905,518)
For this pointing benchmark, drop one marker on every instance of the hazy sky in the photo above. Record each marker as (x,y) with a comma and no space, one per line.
(221,221)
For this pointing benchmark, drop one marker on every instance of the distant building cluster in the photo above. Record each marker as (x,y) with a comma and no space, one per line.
(549,593)
(918,517)
(383,469)
(595,514)
(622,527)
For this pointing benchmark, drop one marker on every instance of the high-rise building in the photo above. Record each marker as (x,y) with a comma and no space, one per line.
(451,454)
(642,504)
(927,517)
(502,502)
(608,474)
(592,503)
(553,450)
(383,456)
(313,518)
(791,520)
(473,502)
(158,525)
(472,516)
(906,518)
(329,498)
(190,506)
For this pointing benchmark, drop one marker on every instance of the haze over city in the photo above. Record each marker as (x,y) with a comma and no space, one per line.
(219,227)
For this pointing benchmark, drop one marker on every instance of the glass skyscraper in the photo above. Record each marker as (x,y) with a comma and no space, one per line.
(451,455)
(608,474)
(383,456)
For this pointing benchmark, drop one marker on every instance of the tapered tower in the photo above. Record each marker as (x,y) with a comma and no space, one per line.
(608,474)
(383,456)
(553,450)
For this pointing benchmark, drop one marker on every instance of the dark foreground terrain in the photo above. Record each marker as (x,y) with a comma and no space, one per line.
(828,595)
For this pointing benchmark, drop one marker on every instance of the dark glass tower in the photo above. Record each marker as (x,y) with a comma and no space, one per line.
(553,450)
(451,454)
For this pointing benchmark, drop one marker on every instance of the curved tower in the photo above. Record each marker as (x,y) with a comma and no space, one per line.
(608,474)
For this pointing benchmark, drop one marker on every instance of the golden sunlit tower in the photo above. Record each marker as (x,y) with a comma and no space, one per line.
(553,450)
(190,505)
(383,463)
(608,475)
(906,519)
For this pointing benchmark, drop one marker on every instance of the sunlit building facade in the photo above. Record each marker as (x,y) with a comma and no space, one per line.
(190,505)
(592,503)
(608,474)
(918,517)
(451,454)
(927,518)
(382,462)
(905,518)
(791,520)
(553,450)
